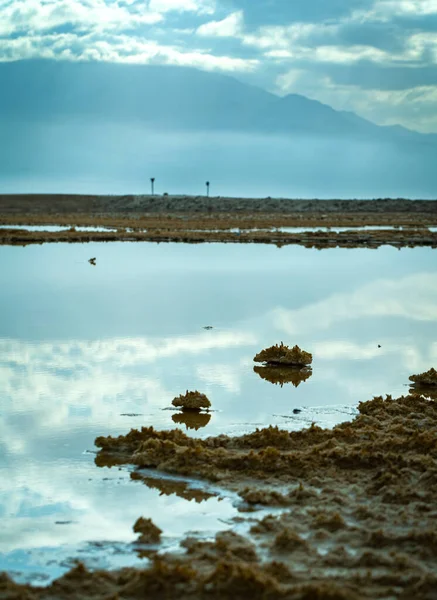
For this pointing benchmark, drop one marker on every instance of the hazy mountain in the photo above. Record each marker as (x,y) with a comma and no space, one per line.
(165,97)
(168,98)
(108,128)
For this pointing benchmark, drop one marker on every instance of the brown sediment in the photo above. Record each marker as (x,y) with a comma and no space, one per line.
(424,380)
(357,518)
(197,220)
(191,401)
(282,375)
(316,239)
(428,391)
(192,419)
(355,513)
(149,533)
(282,355)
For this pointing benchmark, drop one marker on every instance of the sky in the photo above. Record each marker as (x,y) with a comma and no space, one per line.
(377,58)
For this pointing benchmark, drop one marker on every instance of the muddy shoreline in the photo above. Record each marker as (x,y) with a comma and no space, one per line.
(202,220)
(357,516)
(166,204)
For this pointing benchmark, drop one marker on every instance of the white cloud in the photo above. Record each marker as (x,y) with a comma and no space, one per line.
(413,107)
(100,31)
(227,377)
(385,10)
(412,359)
(118,48)
(198,6)
(287,37)
(377,299)
(33,16)
(125,352)
(231,26)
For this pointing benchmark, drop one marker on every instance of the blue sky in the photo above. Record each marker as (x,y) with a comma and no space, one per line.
(375,57)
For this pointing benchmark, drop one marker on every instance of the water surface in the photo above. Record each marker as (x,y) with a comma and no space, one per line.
(88,351)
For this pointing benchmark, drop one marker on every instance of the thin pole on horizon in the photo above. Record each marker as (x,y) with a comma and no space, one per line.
(152,183)
(207,189)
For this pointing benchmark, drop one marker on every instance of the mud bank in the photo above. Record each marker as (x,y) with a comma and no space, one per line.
(357,519)
(34,204)
(315,239)
(200,219)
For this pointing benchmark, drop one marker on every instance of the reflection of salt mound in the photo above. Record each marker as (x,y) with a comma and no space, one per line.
(168,487)
(429,391)
(149,532)
(282,375)
(283,355)
(425,384)
(192,419)
(192,401)
(425,380)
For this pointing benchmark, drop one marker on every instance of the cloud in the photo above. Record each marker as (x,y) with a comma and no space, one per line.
(202,7)
(125,352)
(263,44)
(377,299)
(230,26)
(414,106)
(117,49)
(386,10)
(32,16)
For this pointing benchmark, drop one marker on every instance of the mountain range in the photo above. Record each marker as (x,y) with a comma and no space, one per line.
(94,127)
(172,98)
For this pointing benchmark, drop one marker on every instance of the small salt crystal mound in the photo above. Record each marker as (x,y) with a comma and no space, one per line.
(428,379)
(192,401)
(283,355)
(149,532)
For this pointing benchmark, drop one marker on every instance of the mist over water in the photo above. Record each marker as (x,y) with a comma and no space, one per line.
(80,156)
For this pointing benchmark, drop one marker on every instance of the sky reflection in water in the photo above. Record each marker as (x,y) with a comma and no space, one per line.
(88,351)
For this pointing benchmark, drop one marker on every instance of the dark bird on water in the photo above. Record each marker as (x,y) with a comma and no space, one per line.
(92,261)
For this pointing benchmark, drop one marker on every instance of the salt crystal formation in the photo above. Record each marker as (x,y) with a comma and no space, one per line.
(282,355)
(428,379)
(192,401)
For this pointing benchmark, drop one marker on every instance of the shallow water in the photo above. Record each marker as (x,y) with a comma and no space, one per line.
(56,228)
(88,351)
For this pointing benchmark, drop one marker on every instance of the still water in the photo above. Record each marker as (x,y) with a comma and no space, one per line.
(95,350)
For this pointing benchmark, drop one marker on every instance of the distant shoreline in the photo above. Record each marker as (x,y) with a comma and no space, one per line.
(198,219)
(166,204)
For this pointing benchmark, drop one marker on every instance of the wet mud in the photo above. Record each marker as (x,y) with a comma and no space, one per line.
(352,512)
(311,239)
(200,220)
